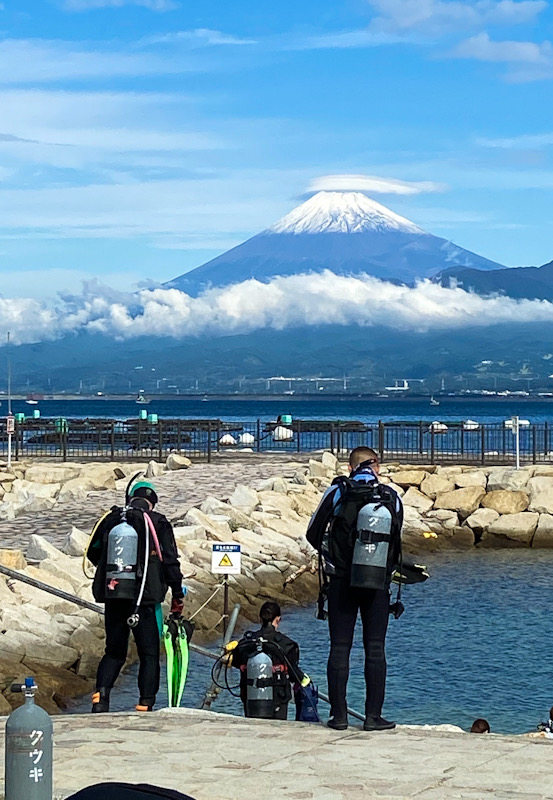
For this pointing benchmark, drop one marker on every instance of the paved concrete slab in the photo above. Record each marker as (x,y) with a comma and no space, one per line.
(217,757)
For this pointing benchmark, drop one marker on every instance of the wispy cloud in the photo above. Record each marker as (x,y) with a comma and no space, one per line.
(199,37)
(373,184)
(338,40)
(40,61)
(439,17)
(88,5)
(533,60)
(525,142)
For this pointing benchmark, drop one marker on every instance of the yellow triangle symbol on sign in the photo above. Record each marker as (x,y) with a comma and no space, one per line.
(225,561)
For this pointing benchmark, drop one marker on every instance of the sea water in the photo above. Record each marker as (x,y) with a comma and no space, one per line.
(474,642)
(336,408)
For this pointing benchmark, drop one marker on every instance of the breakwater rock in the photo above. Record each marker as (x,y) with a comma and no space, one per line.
(462,506)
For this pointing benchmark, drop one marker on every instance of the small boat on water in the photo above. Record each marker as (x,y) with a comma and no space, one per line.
(438,427)
(142,400)
(434,402)
(32,402)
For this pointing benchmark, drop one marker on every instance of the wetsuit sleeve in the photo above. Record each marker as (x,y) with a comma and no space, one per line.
(171,564)
(321,518)
(290,650)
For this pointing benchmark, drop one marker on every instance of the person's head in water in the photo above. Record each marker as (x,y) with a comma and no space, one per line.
(143,495)
(269,614)
(480,726)
(362,455)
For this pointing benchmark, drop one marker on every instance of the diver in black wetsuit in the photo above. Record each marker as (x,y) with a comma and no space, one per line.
(284,652)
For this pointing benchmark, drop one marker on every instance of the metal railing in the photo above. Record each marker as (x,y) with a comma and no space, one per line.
(415,442)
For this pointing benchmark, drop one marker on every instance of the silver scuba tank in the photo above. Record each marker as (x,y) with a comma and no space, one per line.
(369,567)
(121,562)
(28,754)
(260,690)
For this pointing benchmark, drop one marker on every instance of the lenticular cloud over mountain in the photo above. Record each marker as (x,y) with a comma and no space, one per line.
(344,232)
(290,302)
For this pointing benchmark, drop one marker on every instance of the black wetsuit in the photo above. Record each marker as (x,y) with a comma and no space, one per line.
(284,653)
(161,575)
(344,605)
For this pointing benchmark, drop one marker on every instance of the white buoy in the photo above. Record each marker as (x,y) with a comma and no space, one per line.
(471,425)
(227,440)
(246,438)
(282,434)
(438,427)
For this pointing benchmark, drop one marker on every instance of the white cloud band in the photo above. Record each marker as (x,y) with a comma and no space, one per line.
(314,299)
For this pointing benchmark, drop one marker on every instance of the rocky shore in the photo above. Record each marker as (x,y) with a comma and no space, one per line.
(60,643)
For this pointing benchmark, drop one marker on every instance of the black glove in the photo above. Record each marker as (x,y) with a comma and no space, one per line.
(177,606)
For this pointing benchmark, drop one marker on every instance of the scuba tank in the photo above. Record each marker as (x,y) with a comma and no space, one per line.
(28,756)
(369,566)
(121,561)
(260,689)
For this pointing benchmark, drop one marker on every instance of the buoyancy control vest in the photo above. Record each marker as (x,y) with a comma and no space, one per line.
(265,683)
(363,541)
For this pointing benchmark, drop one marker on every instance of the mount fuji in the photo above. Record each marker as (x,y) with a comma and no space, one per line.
(344,232)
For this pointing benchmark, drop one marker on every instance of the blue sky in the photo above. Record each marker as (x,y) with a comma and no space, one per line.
(139,138)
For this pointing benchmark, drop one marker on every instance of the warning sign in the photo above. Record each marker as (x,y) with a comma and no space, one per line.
(226,558)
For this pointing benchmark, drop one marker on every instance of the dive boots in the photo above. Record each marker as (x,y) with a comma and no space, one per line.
(145,705)
(100,702)
(378,724)
(337,724)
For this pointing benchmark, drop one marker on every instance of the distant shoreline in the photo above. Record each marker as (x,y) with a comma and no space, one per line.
(284,398)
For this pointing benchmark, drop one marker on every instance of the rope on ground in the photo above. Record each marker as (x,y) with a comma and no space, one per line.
(207,602)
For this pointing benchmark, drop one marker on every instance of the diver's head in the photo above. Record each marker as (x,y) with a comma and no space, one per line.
(366,456)
(480,726)
(269,614)
(141,492)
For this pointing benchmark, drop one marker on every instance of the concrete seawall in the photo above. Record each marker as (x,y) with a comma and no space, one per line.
(215,757)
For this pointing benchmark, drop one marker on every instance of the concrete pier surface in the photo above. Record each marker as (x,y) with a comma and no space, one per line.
(214,756)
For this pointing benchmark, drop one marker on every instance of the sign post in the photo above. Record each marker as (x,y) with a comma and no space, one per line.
(10,430)
(226,559)
(516,433)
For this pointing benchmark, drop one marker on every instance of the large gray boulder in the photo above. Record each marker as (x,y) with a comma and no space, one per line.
(416,499)
(244,498)
(507,478)
(409,477)
(434,485)
(541,494)
(505,501)
(463,501)
(543,536)
(75,543)
(51,473)
(154,469)
(481,519)
(176,461)
(517,527)
(475,478)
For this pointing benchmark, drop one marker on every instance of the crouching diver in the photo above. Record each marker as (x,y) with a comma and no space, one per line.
(136,560)
(268,664)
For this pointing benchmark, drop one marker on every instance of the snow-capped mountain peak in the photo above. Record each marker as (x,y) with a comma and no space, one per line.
(342,212)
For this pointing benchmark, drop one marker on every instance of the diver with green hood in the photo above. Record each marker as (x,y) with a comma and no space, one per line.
(135,555)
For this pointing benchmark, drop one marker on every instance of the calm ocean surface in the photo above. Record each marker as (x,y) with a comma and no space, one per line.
(450,408)
(473,642)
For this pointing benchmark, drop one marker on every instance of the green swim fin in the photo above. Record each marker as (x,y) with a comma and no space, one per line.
(176,634)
